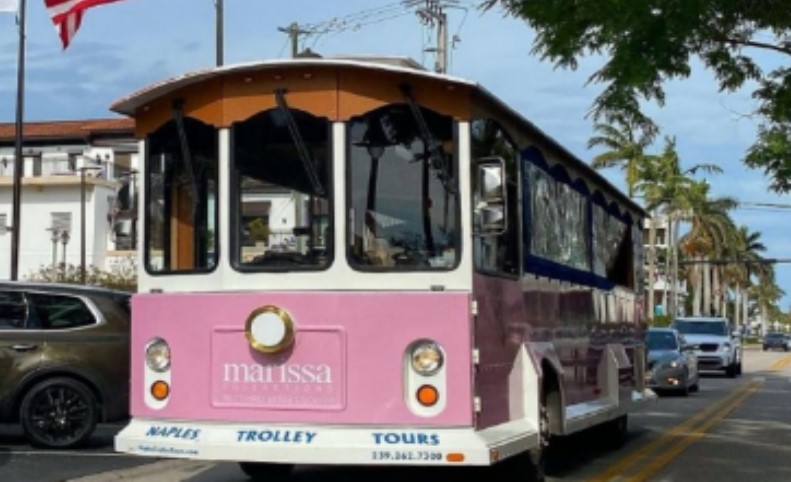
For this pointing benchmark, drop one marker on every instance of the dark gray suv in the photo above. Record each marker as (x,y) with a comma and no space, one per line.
(64,360)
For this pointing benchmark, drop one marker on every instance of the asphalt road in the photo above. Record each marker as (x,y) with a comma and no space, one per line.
(732,430)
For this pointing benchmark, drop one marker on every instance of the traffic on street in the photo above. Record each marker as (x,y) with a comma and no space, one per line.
(732,429)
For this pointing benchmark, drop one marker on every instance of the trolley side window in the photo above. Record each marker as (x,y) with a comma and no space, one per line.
(181,191)
(498,253)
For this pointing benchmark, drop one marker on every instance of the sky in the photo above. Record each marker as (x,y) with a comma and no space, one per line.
(124,46)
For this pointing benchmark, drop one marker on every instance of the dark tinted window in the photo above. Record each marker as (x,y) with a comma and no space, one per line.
(498,253)
(181,216)
(403,210)
(661,340)
(12,310)
(282,190)
(55,312)
(690,327)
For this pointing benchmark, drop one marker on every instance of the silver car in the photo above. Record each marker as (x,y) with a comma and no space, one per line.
(718,348)
(672,363)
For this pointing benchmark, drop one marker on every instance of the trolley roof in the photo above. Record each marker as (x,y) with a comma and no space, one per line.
(398,65)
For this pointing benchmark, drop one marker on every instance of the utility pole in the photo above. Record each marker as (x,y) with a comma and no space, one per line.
(294,32)
(220,32)
(19,164)
(433,14)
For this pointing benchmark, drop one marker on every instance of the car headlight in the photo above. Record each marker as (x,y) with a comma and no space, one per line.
(427,358)
(726,347)
(158,355)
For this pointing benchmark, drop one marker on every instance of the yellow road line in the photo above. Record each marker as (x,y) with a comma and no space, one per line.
(693,436)
(634,457)
(781,363)
(723,406)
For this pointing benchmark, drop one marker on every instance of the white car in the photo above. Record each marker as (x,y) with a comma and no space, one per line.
(718,348)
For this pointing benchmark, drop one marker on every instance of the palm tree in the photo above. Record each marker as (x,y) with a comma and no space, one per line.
(746,249)
(666,189)
(623,150)
(711,228)
(766,294)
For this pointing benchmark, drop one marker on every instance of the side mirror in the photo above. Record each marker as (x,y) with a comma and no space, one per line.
(490,198)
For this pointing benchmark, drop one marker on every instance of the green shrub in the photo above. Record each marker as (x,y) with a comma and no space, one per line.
(123,278)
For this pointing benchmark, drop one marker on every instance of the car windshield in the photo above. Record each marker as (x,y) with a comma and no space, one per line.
(661,340)
(779,336)
(692,327)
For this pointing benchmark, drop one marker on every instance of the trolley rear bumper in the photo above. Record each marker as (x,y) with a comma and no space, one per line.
(325,444)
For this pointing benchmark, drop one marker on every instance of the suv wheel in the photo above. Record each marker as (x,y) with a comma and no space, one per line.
(58,413)
(730,372)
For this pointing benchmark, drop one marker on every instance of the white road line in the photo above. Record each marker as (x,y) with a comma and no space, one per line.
(164,471)
(64,453)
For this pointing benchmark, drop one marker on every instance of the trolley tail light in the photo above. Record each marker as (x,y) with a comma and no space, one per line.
(427,395)
(156,373)
(425,381)
(160,390)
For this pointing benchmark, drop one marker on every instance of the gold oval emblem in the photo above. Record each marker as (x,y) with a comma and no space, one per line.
(269,329)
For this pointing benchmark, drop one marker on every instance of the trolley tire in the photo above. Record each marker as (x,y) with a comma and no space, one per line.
(616,432)
(261,471)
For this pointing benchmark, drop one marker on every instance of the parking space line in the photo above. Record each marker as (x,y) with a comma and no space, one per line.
(54,453)
(161,471)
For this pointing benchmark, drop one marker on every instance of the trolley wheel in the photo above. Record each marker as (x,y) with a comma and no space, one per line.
(266,471)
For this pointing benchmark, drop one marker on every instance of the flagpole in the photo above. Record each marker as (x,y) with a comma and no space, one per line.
(219,5)
(18,161)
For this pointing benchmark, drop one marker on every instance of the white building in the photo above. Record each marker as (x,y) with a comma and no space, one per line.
(663,284)
(61,161)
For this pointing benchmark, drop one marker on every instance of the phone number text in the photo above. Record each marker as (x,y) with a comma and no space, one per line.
(395,455)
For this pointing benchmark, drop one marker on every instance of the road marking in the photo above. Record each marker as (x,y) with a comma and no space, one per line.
(633,458)
(693,436)
(54,453)
(164,471)
(781,363)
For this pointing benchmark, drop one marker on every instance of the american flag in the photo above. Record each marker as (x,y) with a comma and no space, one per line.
(67,15)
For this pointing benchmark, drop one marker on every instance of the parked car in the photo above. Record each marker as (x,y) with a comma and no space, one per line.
(64,359)
(672,364)
(719,348)
(776,341)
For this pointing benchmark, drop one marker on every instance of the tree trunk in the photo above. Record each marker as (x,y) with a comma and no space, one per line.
(697,288)
(671,275)
(764,319)
(706,307)
(716,300)
(737,299)
(651,266)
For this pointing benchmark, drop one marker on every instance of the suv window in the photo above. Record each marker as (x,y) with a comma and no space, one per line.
(699,327)
(55,312)
(12,310)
